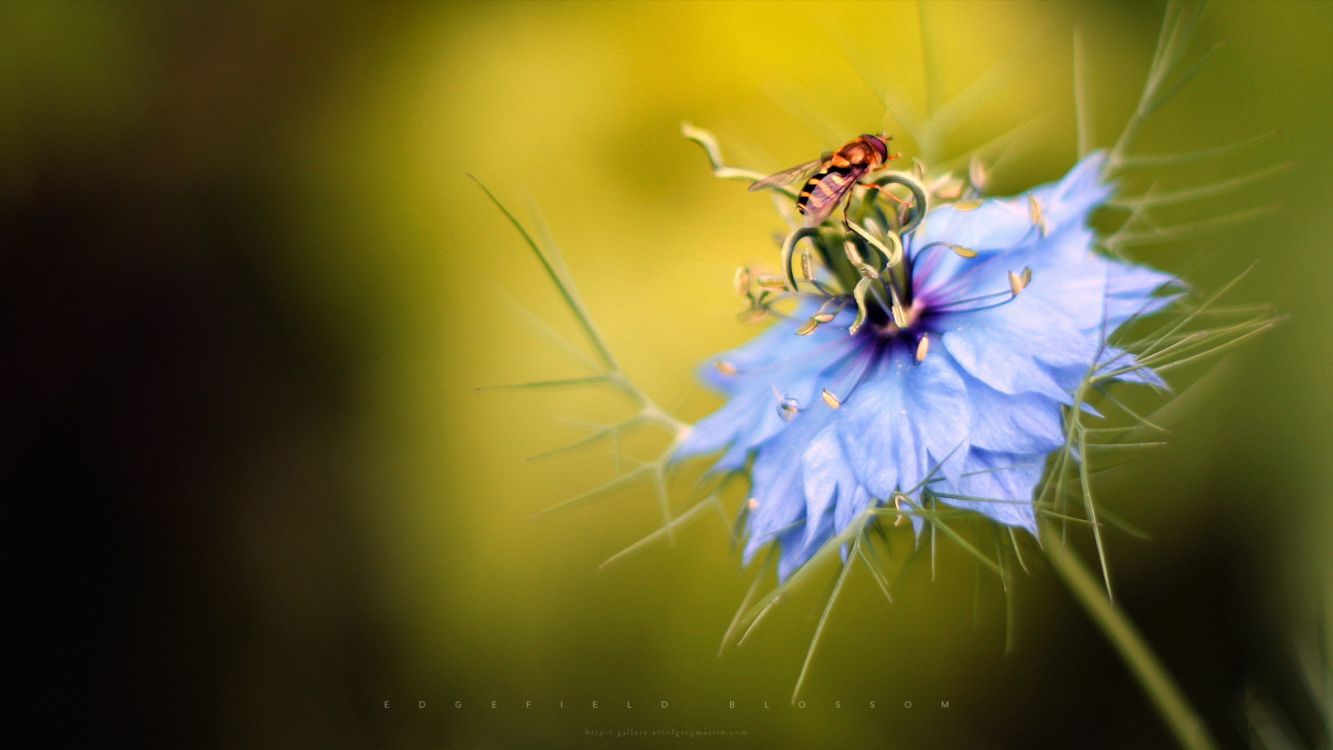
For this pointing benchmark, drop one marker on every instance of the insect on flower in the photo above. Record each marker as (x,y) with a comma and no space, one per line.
(833,175)
(946,372)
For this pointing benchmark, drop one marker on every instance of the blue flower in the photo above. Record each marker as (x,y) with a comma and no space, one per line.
(1005,307)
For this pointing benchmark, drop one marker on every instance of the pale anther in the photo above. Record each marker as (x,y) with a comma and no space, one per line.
(742,281)
(831,400)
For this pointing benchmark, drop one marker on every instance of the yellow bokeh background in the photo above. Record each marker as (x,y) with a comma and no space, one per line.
(391,258)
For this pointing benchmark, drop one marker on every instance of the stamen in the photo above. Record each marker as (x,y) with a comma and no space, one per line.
(977,174)
(823,288)
(1035,213)
(752,503)
(725,367)
(898,506)
(966,205)
(1015,283)
(742,281)
(908,218)
(859,294)
(808,327)
(822,318)
(961,251)
(950,189)
(1019,281)
(866,270)
(896,251)
(899,314)
(788,408)
(830,307)
(853,255)
(951,307)
(922,347)
(892,252)
(771,282)
(807,265)
(789,249)
(852,371)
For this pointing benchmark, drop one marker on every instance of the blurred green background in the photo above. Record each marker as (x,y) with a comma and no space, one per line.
(250,292)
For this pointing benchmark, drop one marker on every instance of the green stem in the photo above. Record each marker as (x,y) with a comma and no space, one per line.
(1166,697)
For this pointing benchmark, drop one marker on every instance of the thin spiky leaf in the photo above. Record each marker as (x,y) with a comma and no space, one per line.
(540,384)
(679,521)
(819,627)
(563,285)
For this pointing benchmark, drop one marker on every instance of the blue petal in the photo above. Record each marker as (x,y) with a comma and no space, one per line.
(776,483)
(1004,224)
(1135,291)
(996,226)
(1020,423)
(798,371)
(1092,291)
(1118,359)
(1068,202)
(826,476)
(1013,347)
(1001,485)
(850,506)
(794,554)
(774,350)
(903,421)
(721,428)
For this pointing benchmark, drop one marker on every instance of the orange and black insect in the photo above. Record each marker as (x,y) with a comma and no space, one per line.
(832,176)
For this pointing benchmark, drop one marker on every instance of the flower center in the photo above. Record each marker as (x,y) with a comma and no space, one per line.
(872,266)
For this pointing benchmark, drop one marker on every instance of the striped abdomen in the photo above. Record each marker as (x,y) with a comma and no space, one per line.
(825,189)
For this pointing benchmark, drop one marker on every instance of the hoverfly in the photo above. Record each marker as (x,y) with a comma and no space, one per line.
(832,176)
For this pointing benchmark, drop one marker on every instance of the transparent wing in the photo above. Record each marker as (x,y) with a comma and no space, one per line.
(828,194)
(789,175)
